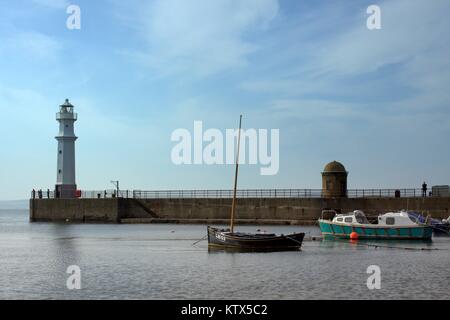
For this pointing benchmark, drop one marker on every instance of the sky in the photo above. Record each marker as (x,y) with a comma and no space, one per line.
(375,100)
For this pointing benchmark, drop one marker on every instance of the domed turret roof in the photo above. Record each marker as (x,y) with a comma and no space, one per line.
(334,167)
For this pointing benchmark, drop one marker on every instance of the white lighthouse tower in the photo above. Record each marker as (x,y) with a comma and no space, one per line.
(65,181)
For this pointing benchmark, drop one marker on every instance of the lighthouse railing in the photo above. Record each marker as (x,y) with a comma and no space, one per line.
(66,116)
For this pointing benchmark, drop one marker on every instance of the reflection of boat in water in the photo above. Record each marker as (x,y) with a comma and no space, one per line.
(389,226)
(228,239)
(440,227)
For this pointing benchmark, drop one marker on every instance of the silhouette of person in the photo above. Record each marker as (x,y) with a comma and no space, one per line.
(424,189)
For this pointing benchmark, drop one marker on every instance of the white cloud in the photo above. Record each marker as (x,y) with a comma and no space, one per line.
(405,64)
(202,36)
(56,4)
(21,100)
(33,44)
(409,28)
(307,108)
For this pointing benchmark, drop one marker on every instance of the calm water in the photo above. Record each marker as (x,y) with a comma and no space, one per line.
(159,262)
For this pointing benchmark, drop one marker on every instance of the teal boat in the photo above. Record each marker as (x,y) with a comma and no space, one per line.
(390,226)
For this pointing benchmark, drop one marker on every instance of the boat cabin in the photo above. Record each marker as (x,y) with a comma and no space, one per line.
(355,217)
(401,218)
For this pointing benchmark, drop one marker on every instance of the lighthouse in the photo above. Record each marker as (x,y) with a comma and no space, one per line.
(65,180)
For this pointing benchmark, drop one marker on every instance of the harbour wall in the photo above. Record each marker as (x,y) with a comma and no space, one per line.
(299,211)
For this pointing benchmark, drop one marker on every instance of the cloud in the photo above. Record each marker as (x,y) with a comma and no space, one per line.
(409,28)
(311,108)
(33,44)
(202,37)
(55,4)
(21,98)
(401,68)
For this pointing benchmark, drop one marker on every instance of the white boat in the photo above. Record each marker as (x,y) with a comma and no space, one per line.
(391,225)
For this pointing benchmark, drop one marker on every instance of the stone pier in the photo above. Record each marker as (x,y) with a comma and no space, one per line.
(299,211)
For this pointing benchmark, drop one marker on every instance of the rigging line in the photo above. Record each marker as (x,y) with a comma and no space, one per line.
(233,204)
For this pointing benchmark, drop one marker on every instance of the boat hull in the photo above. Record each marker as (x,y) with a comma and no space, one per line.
(218,238)
(439,227)
(342,230)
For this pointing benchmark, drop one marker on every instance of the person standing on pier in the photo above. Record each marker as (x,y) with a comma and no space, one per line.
(424,189)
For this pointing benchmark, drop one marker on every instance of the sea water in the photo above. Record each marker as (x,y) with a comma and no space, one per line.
(159,261)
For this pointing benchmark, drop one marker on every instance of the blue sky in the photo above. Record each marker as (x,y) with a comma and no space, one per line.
(378,101)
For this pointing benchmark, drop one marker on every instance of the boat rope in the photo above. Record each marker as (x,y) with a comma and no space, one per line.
(403,248)
(204,238)
(393,247)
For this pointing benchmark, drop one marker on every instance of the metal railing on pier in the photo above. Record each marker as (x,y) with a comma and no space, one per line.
(224,193)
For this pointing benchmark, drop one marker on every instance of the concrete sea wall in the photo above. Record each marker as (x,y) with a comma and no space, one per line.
(79,210)
(249,210)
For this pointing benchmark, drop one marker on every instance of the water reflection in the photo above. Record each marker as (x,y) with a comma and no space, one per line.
(63,252)
(212,249)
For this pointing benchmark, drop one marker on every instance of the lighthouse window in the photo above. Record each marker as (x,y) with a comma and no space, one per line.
(59,171)
(60,151)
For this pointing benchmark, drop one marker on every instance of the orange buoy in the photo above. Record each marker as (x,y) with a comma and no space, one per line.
(353,236)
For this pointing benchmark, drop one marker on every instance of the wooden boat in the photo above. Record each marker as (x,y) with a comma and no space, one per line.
(390,226)
(223,238)
(228,239)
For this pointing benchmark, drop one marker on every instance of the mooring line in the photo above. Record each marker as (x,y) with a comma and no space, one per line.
(404,248)
(204,238)
(393,247)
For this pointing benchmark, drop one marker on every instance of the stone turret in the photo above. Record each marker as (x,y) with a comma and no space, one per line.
(334,180)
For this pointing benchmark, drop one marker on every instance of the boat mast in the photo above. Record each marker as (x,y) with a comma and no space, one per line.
(233,205)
